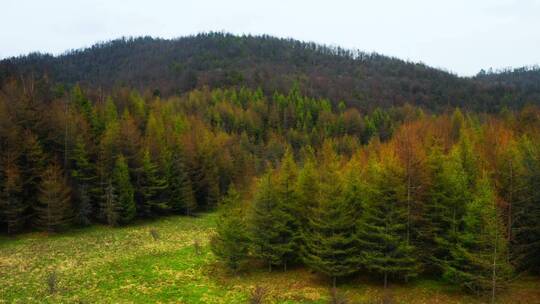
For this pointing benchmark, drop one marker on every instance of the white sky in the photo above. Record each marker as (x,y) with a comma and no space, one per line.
(462,36)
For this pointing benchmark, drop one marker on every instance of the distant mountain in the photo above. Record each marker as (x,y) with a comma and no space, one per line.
(365,80)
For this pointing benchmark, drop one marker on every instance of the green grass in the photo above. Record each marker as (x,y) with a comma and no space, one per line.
(126,265)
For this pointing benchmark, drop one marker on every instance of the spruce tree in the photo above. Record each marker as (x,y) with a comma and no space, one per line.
(479,261)
(151,188)
(11,204)
(85,182)
(446,198)
(527,220)
(231,242)
(287,210)
(110,207)
(54,210)
(32,166)
(124,191)
(382,227)
(329,242)
(264,223)
(181,198)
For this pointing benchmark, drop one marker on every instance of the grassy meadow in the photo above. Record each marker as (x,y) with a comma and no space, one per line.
(169,261)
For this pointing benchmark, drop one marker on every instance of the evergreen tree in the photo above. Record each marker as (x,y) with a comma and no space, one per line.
(32,166)
(151,187)
(329,242)
(447,197)
(54,210)
(85,182)
(479,261)
(11,205)
(124,191)
(180,191)
(527,220)
(288,226)
(231,242)
(382,227)
(110,208)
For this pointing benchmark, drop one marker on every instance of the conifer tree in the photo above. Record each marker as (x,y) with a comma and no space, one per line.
(264,223)
(286,211)
(231,242)
(124,191)
(447,197)
(110,209)
(479,261)
(382,227)
(151,187)
(85,182)
(181,198)
(11,205)
(329,241)
(527,221)
(54,210)
(32,166)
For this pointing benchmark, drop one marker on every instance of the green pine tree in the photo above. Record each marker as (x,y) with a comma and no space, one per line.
(231,242)
(382,227)
(479,261)
(11,204)
(85,182)
(54,210)
(124,191)
(181,198)
(151,188)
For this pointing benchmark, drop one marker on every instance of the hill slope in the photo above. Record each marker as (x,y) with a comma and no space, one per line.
(217,60)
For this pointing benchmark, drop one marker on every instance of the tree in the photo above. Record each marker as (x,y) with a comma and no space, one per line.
(382,227)
(447,196)
(11,198)
(479,261)
(85,182)
(527,220)
(124,191)
(151,186)
(329,242)
(230,243)
(181,198)
(54,210)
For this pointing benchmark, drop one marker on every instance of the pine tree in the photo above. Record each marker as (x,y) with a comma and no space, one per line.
(124,191)
(181,198)
(479,261)
(54,210)
(32,166)
(110,208)
(11,205)
(264,223)
(329,242)
(447,196)
(527,220)
(85,182)
(286,211)
(151,186)
(231,242)
(382,227)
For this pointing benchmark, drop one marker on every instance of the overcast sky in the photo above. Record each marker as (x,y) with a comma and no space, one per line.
(462,36)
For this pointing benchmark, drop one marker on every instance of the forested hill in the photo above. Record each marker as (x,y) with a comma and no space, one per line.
(364,80)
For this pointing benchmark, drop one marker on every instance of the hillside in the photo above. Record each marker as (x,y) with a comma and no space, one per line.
(365,80)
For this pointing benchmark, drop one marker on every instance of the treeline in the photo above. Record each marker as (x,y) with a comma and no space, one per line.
(216,60)
(72,157)
(452,196)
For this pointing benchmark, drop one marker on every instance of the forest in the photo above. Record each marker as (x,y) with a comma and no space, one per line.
(396,190)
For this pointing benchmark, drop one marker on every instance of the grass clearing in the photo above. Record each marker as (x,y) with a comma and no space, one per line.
(130,264)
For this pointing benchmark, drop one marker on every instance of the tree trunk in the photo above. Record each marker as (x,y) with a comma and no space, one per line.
(334,281)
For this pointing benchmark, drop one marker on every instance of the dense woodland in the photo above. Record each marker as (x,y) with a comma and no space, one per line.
(397,192)
(364,80)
